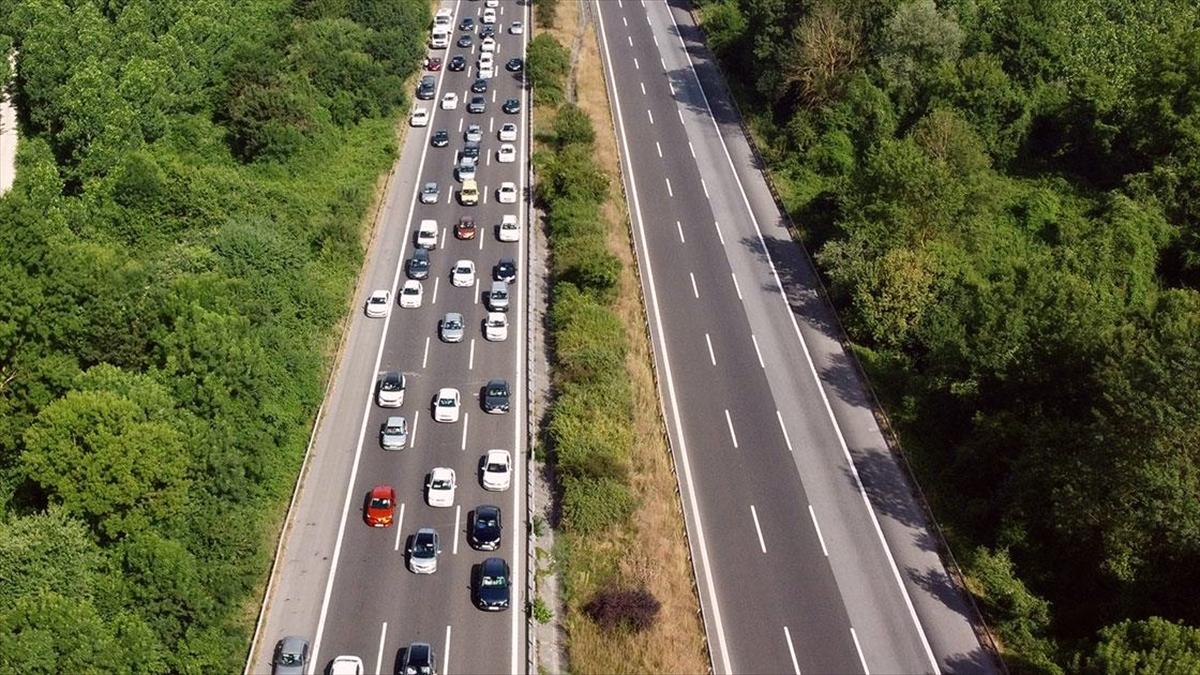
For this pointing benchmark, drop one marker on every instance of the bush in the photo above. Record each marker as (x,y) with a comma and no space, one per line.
(546,11)
(615,608)
(591,345)
(590,430)
(572,125)
(1021,617)
(1154,645)
(569,174)
(541,613)
(546,65)
(585,262)
(590,506)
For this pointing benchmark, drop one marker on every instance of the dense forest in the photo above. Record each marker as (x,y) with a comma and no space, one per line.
(176,254)
(1004,196)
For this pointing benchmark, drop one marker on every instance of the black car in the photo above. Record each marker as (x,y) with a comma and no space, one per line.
(466,24)
(426,88)
(441,138)
(495,396)
(487,32)
(417,266)
(477,105)
(471,150)
(512,106)
(505,270)
(485,528)
(464,41)
(419,659)
(491,585)
(479,86)
(514,64)
(457,63)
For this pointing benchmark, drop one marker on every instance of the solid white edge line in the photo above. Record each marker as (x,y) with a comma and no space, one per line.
(762,544)
(689,489)
(817,526)
(779,415)
(712,358)
(787,635)
(858,648)
(720,235)
(811,366)
(379,656)
(519,359)
(399,528)
(732,433)
(757,352)
(337,547)
(446,653)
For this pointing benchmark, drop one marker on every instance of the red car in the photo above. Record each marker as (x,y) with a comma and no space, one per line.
(433,63)
(465,229)
(381,506)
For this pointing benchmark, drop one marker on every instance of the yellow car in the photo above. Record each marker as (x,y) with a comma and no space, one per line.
(469,195)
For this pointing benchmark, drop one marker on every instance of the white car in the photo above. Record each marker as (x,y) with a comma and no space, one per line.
(487,70)
(507,194)
(463,274)
(507,154)
(487,45)
(420,117)
(489,15)
(491,3)
(486,59)
(495,327)
(346,665)
(379,304)
(446,405)
(497,470)
(444,16)
(510,229)
(508,131)
(439,489)
(450,101)
(516,28)
(473,134)
(411,294)
(427,234)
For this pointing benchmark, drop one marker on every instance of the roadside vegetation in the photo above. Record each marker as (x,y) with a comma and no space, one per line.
(1005,200)
(630,604)
(178,252)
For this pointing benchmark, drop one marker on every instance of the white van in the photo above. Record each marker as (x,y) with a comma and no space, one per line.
(439,37)
(427,234)
(443,17)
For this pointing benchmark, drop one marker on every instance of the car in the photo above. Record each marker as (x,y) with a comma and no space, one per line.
(417,266)
(495,327)
(440,139)
(346,665)
(381,506)
(485,528)
(450,101)
(511,106)
(393,435)
(433,63)
(443,17)
(507,193)
(497,297)
(390,392)
(479,86)
(466,24)
(473,134)
(489,15)
(491,585)
(509,229)
(491,3)
(419,117)
(411,294)
(487,69)
(469,194)
(423,552)
(466,168)
(515,65)
(379,304)
(446,405)
(451,327)
(471,150)
(508,132)
(497,470)
(419,659)
(488,58)
(430,193)
(457,63)
(477,106)
(426,88)
(507,154)
(505,270)
(465,229)
(440,486)
(439,37)
(291,656)
(464,41)
(495,397)
(487,32)
(427,234)
(487,44)
(463,274)
(516,28)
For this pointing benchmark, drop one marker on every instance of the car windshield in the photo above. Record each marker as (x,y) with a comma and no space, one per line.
(485,521)
(497,467)
(446,402)
(394,430)
(499,294)
(289,659)
(498,391)
(463,269)
(491,582)
(440,484)
(424,548)
(412,290)
(391,385)
(495,322)
(380,503)
(378,300)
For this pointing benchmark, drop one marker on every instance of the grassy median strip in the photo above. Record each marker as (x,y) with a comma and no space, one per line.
(623,556)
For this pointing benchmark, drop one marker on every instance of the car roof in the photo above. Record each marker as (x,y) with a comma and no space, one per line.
(419,651)
(489,509)
(383,490)
(491,566)
(426,530)
(450,316)
(498,382)
(420,253)
(441,471)
(293,643)
(447,391)
(393,376)
(497,452)
(395,421)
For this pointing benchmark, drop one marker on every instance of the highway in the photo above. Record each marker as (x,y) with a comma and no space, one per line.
(338,582)
(811,554)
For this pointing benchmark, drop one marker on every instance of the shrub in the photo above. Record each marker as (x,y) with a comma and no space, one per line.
(546,65)
(541,613)
(546,11)
(591,344)
(572,125)
(590,430)
(569,174)
(590,506)
(1022,618)
(615,608)
(585,262)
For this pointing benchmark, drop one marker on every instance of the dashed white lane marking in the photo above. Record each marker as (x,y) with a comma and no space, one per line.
(817,527)
(460,124)
(476,291)
(736,287)
(436,282)
(671,87)
(655,38)
(679,227)
(680,113)
(471,358)
(658,147)
(650,115)
(692,150)
(630,40)
(664,63)
(862,659)
(466,420)
(712,357)
(449,196)
(705,186)
(756,352)
(729,421)
(786,439)
(412,434)
(635,64)
(379,656)
(457,515)
(443,244)
(623,19)
(787,635)
(643,84)
(399,529)
(719,235)
(761,543)
(670,192)
(425,358)
(446,653)
(695,291)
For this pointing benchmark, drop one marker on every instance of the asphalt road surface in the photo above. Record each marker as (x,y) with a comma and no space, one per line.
(339,583)
(811,553)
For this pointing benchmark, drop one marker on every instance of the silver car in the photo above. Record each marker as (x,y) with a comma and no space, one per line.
(430,193)
(394,434)
(497,298)
(452,327)
(391,390)
(291,656)
(423,552)
(466,168)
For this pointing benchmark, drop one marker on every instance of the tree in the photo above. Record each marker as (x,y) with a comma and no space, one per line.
(572,125)
(1153,645)
(826,47)
(48,552)
(916,39)
(724,27)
